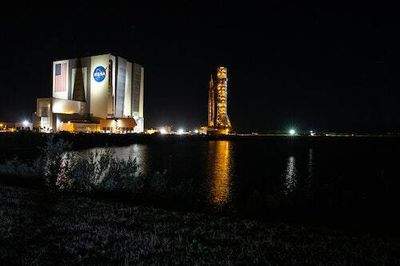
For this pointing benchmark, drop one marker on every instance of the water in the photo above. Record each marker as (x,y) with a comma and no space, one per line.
(342,181)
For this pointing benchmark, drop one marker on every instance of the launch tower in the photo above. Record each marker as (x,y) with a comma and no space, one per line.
(218,120)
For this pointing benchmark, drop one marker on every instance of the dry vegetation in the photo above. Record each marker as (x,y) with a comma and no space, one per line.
(46,229)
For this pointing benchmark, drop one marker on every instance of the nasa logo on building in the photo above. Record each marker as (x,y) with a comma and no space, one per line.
(99,74)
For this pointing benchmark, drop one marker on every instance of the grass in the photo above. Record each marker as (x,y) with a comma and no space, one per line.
(37,228)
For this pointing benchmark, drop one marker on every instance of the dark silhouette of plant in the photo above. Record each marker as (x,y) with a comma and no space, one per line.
(52,161)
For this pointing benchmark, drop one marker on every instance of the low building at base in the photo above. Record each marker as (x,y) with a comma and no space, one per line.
(15,126)
(103,93)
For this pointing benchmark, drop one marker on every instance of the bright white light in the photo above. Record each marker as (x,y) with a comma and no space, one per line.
(180,131)
(25,123)
(163,131)
(196,131)
(292,132)
(312,133)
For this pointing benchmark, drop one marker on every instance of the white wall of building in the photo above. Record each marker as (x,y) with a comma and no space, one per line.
(99,89)
(128,91)
(141,101)
(61,106)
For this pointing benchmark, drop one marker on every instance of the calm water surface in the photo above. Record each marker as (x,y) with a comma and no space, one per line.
(335,181)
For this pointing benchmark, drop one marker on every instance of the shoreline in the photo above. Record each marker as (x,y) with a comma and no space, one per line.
(32,140)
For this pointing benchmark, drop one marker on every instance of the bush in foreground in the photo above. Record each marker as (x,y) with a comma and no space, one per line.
(61,169)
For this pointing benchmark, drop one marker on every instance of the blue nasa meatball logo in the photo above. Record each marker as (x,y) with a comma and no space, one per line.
(99,74)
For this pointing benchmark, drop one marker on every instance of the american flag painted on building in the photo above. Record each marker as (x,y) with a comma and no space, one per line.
(60,80)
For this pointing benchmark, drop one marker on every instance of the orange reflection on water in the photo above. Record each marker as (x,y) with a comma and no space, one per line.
(220,162)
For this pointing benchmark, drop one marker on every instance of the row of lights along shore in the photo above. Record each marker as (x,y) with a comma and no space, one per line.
(180,131)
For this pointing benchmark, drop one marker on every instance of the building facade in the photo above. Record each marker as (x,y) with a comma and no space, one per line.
(91,90)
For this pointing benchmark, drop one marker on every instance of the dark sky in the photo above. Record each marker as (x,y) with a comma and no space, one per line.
(331,67)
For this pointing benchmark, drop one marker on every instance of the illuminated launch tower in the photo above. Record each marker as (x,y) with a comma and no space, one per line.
(218,120)
(222,95)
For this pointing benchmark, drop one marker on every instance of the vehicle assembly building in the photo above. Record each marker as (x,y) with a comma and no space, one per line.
(103,93)
(218,120)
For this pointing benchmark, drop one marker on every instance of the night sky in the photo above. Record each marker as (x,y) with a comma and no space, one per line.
(303,65)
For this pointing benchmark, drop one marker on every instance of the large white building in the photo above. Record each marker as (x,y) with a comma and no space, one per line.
(103,93)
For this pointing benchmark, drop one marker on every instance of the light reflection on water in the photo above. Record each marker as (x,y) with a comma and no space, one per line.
(264,177)
(139,152)
(290,181)
(219,170)
(220,166)
(310,165)
(310,168)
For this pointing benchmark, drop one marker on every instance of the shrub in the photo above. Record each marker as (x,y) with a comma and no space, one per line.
(17,168)
(53,162)
(96,171)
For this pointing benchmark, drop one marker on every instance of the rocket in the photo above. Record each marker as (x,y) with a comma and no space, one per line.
(211,104)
